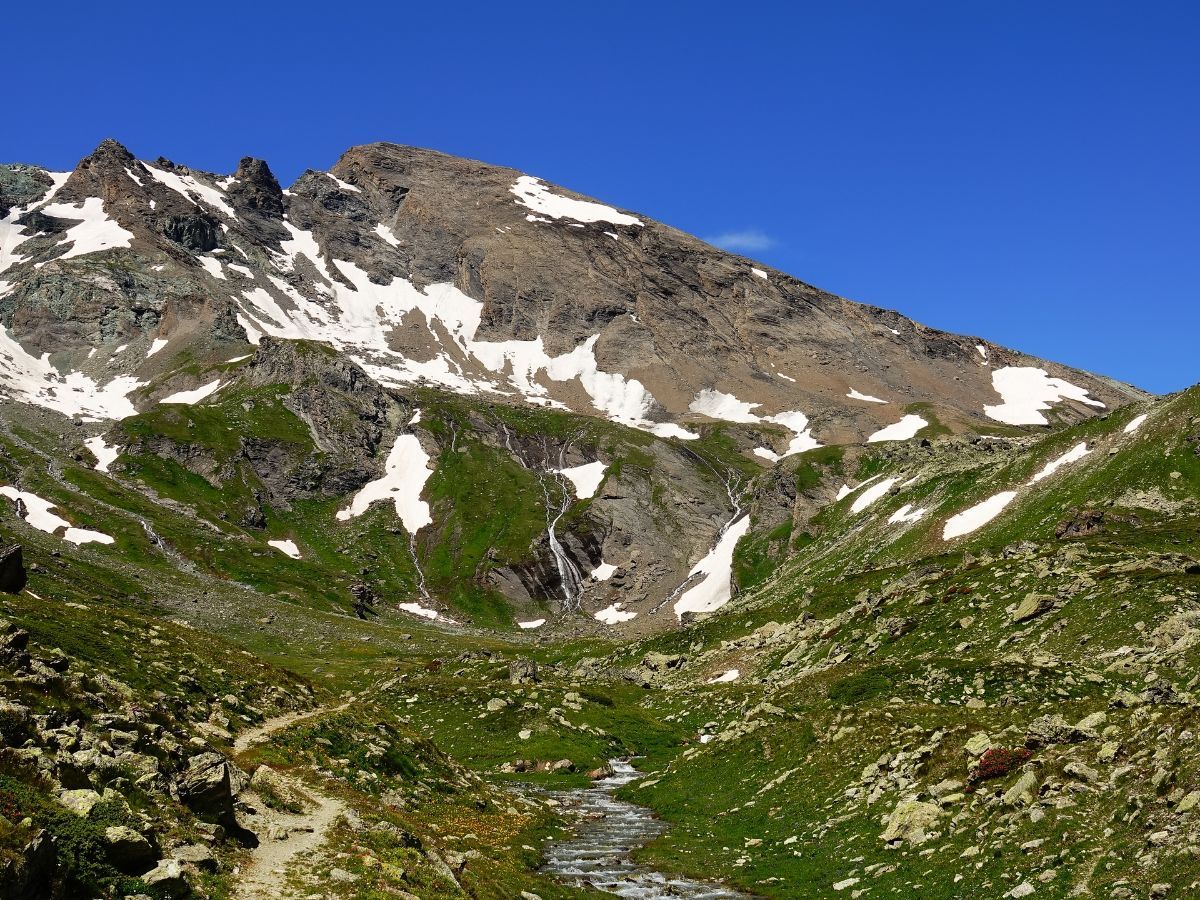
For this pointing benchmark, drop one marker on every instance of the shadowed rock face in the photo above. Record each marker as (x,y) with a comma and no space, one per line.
(12,570)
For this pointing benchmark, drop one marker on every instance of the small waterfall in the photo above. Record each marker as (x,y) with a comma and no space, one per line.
(412,551)
(568,573)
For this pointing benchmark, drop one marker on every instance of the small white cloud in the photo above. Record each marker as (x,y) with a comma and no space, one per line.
(749,239)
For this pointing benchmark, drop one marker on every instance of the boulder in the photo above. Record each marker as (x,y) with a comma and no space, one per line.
(208,788)
(523,671)
(79,801)
(1031,607)
(1023,791)
(128,851)
(1054,729)
(12,570)
(167,879)
(910,822)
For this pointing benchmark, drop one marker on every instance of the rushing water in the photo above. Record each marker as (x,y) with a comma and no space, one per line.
(599,853)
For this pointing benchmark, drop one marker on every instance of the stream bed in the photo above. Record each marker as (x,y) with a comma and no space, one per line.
(599,853)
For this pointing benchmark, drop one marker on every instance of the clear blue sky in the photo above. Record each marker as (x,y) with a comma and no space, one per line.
(1024,171)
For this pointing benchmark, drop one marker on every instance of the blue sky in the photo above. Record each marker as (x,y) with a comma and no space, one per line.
(1023,171)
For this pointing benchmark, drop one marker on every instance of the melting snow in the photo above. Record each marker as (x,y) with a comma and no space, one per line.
(769,455)
(156,345)
(604,571)
(724,677)
(906,514)
(871,494)
(585,478)
(191,398)
(612,615)
(1135,423)
(855,395)
(423,611)
(94,233)
(38,514)
(287,547)
(534,195)
(719,405)
(1079,451)
(405,473)
(345,186)
(187,185)
(211,266)
(977,516)
(717,568)
(1027,391)
(386,233)
(846,490)
(36,381)
(899,431)
(536,623)
(760,273)
(105,455)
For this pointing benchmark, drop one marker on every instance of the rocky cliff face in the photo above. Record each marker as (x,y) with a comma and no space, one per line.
(437,270)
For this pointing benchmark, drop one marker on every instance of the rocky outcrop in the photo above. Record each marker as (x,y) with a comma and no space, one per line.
(12,570)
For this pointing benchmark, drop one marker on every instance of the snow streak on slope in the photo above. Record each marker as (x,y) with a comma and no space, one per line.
(715,590)
(1079,451)
(977,516)
(866,398)
(95,231)
(1027,391)
(534,195)
(405,473)
(871,494)
(286,547)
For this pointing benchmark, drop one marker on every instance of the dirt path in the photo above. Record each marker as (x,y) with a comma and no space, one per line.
(288,842)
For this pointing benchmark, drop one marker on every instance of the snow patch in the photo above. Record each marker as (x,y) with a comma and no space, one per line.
(536,623)
(768,455)
(614,614)
(386,233)
(760,273)
(855,395)
(105,455)
(1135,423)
(532,194)
(287,547)
(38,515)
(1026,391)
(156,345)
(977,516)
(714,590)
(34,380)
(719,405)
(604,571)
(192,397)
(211,266)
(725,677)
(906,514)
(899,431)
(585,478)
(405,473)
(95,231)
(186,185)
(424,612)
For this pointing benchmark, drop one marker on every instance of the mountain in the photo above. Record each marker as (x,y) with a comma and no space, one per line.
(357,538)
(151,286)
